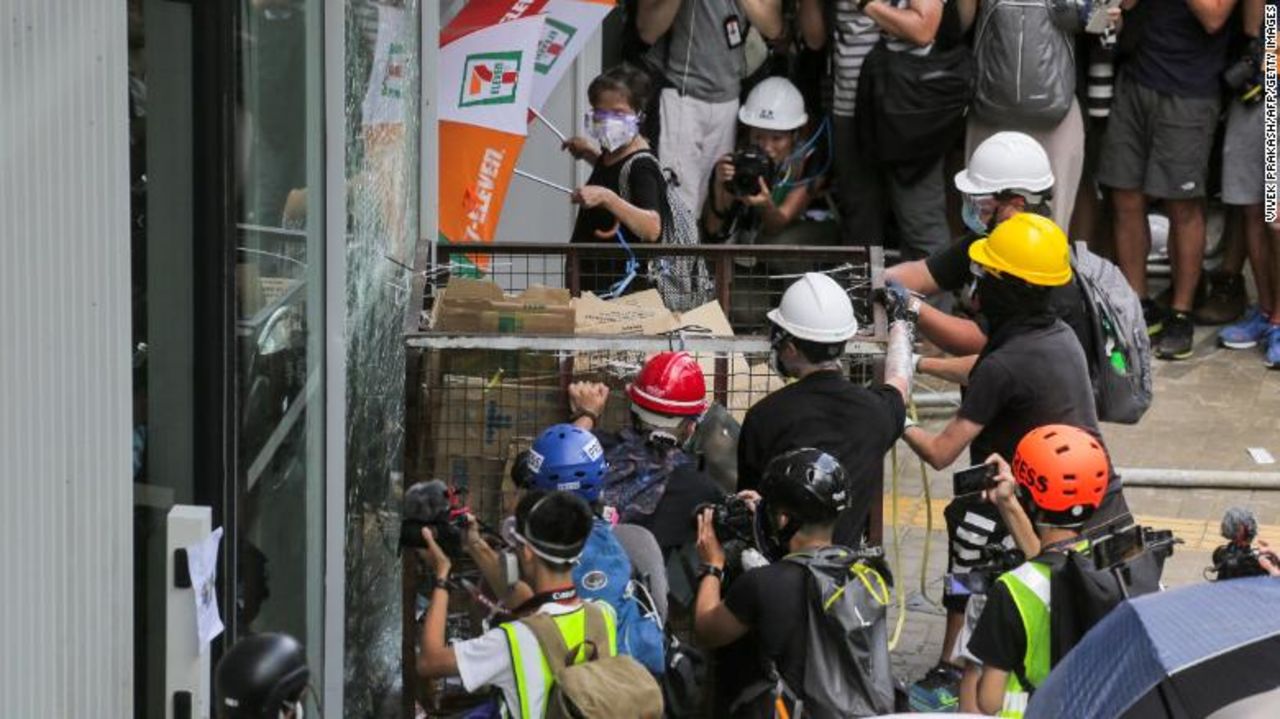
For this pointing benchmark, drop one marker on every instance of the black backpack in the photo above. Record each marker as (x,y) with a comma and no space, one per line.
(1081,595)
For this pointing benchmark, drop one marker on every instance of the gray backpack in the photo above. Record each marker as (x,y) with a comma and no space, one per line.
(683,281)
(847,671)
(1122,350)
(1026,63)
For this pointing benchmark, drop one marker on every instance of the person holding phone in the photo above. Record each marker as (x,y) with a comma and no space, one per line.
(1063,472)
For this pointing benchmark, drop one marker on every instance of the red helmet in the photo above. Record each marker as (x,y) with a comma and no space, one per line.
(1066,471)
(671,384)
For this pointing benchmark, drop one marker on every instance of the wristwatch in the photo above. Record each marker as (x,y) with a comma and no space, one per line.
(711,570)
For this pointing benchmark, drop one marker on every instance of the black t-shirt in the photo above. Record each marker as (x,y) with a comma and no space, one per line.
(950,269)
(825,410)
(648,192)
(1036,377)
(999,639)
(773,602)
(1173,54)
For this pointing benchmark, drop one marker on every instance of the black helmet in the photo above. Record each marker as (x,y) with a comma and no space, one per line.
(809,486)
(260,675)
(809,482)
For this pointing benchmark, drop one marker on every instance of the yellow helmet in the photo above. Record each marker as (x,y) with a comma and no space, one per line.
(1029,247)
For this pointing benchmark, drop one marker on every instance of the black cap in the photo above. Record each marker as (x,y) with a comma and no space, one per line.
(259,675)
(809,483)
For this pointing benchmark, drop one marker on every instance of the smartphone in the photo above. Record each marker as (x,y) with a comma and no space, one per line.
(974,479)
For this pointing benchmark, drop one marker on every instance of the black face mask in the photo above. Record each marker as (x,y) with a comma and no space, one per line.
(1003,301)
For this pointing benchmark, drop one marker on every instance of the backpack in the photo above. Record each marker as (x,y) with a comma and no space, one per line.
(1081,595)
(1122,350)
(683,281)
(911,108)
(602,686)
(604,574)
(847,671)
(1026,65)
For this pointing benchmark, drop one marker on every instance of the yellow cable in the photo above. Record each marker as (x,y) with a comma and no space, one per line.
(928,514)
(897,558)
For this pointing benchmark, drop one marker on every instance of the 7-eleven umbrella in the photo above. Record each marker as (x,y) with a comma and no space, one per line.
(487,57)
(570,24)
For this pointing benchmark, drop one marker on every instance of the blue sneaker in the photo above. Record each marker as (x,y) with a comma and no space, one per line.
(1272,358)
(938,691)
(1246,333)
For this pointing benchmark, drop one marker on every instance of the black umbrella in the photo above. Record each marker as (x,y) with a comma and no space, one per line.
(1188,652)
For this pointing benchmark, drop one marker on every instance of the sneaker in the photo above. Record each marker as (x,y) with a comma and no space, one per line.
(1225,301)
(1153,315)
(1246,333)
(1272,358)
(938,691)
(1177,337)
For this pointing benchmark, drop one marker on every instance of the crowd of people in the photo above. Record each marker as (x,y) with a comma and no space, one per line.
(846,135)
(844,128)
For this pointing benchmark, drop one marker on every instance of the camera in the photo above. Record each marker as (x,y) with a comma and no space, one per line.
(1244,76)
(749,166)
(1237,558)
(1123,546)
(996,559)
(732,519)
(436,506)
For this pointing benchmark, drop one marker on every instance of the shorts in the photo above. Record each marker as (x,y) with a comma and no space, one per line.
(1243,155)
(1158,143)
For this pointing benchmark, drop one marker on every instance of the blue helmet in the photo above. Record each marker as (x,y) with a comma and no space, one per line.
(569,459)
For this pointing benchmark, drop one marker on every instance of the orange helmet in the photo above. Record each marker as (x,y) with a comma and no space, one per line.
(1065,469)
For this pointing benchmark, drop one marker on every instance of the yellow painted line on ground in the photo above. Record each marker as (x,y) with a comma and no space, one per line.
(1198,534)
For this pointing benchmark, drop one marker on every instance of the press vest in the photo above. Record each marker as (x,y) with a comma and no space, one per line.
(1029,587)
(532,673)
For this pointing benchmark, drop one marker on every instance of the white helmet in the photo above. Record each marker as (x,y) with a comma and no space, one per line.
(1006,161)
(774,104)
(816,308)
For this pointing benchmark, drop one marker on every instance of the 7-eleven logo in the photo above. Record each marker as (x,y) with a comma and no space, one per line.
(490,78)
(556,36)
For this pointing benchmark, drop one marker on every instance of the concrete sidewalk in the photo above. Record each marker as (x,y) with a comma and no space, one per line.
(1207,411)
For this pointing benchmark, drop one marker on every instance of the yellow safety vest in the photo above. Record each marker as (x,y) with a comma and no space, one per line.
(1029,586)
(532,673)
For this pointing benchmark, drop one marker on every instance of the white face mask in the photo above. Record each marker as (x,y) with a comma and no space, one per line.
(613,131)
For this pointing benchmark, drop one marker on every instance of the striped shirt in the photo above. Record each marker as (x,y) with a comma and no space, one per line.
(855,35)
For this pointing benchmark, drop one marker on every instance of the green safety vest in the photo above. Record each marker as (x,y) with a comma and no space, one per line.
(532,673)
(1029,586)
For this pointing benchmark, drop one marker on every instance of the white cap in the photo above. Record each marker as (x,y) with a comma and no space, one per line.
(774,104)
(1006,161)
(816,308)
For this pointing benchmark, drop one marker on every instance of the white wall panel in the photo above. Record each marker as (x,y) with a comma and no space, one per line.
(65,468)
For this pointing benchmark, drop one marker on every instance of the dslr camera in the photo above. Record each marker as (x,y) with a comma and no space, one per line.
(750,164)
(436,506)
(996,560)
(732,519)
(1244,76)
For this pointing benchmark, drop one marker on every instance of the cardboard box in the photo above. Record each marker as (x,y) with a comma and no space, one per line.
(641,313)
(471,417)
(467,305)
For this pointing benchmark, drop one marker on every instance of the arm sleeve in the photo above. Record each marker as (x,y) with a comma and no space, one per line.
(748,450)
(483,661)
(999,638)
(990,386)
(950,267)
(895,408)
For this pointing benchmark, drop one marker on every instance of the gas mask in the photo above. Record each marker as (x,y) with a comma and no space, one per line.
(612,130)
(972,209)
